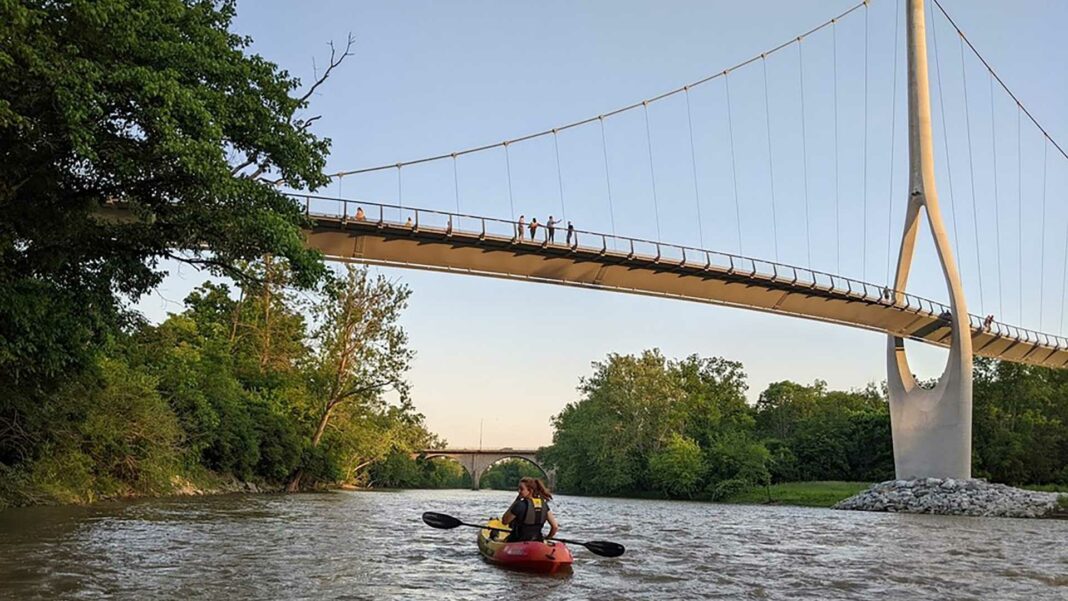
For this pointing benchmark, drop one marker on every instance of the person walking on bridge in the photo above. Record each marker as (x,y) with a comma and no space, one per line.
(530,511)
(571,234)
(522,222)
(533,229)
(550,227)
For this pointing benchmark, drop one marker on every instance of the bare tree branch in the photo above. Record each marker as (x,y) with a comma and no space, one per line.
(334,62)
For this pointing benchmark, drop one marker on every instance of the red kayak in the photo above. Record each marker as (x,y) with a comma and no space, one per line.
(535,556)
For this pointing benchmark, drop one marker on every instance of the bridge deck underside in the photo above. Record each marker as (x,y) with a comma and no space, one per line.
(498,256)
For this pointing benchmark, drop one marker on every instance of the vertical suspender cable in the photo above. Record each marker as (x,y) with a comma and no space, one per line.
(804,146)
(971,169)
(652,172)
(837,186)
(734,167)
(771,160)
(456,182)
(607,176)
(508,170)
(1064,278)
(997,204)
(1019,210)
(864,214)
(945,144)
(1042,251)
(893,140)
(400,195)
(559,177)
(693,163)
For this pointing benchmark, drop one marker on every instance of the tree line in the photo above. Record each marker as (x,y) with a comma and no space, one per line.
(258,384)
(683,429)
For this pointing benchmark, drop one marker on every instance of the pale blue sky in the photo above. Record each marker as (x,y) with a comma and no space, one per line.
(432,77)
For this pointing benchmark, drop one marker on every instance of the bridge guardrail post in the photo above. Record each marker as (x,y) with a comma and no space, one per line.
(381,216)
(483,235)
(344,212)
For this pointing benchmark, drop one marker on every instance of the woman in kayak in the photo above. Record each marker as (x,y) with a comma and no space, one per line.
(530,511)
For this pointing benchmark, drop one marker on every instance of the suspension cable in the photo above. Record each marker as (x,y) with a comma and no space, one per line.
(652,171)
(893,139)
(864,212)
(618,111)
(734,167)
(693,163)
(1042,252)
(971,169)
(771,161)
(837,183)
(508,170)
(559,177)
(999,80)
(608,179)
(945,144)
(997,205)
(456,183)
(804,146)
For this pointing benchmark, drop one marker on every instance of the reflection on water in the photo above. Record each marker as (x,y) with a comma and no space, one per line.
(372,545)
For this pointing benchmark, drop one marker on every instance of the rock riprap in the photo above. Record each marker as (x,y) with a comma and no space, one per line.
(953,497)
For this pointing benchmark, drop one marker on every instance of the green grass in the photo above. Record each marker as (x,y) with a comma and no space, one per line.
(1061,488)
(804,494)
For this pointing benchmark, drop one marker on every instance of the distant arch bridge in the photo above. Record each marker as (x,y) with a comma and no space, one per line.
(477,461)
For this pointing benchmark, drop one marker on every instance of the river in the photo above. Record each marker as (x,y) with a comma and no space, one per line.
(372,545)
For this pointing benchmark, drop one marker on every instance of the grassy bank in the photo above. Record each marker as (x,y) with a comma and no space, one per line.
(804,494)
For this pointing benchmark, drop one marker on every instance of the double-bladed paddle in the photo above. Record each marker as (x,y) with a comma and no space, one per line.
(597,547)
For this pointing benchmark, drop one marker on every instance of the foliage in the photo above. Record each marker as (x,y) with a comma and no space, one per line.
(150,106)
(1020,423)
(400,470)
(676,467)
(229,386)
(505,475)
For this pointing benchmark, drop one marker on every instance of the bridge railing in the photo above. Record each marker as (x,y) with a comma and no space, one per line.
(449,223)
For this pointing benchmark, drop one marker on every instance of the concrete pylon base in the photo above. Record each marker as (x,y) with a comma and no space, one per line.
(932,428)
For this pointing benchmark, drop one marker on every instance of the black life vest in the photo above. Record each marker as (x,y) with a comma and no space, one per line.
(530,525)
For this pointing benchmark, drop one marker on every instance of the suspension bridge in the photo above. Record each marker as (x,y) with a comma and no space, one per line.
(762,253)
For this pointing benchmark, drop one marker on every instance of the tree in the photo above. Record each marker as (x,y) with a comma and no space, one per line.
(676,468)
(362,349)
(157,107)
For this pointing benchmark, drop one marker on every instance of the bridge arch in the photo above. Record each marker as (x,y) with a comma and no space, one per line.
(477,461)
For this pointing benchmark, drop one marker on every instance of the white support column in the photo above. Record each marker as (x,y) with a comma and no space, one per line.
(932,429)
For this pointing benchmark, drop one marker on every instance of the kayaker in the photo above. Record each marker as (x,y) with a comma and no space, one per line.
(530,511)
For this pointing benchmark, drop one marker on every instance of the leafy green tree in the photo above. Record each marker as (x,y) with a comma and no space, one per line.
(676,468)
(505,475)
(362,350)
(156,107)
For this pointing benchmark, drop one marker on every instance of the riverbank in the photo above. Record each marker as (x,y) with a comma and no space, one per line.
(22,491)
(800,494)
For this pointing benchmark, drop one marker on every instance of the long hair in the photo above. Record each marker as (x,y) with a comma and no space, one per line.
(537,488)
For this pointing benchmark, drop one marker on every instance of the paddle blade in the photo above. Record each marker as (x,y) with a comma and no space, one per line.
(605,548)
(440,520)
